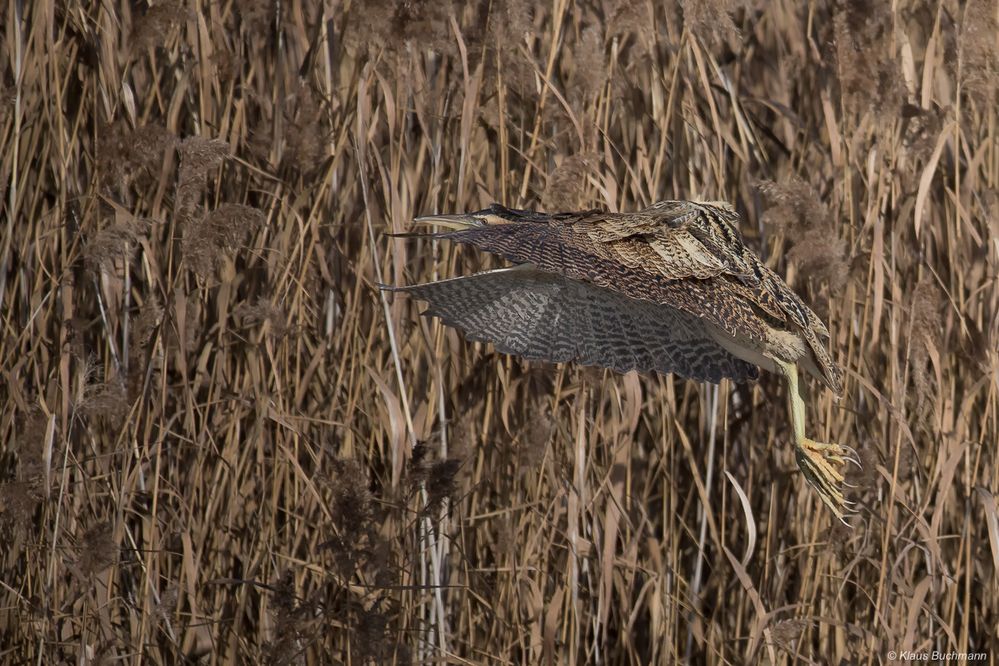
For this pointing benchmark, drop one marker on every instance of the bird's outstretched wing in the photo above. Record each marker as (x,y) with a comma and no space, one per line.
(557,248)
(545,316)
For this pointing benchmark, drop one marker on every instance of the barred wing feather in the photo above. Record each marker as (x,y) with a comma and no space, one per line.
(545,316)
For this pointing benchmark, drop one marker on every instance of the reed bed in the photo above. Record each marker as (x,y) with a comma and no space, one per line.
(220,443)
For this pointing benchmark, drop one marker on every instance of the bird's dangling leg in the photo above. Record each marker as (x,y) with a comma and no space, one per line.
(821,463)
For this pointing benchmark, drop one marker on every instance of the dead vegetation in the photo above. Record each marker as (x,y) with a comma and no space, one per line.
(219,444)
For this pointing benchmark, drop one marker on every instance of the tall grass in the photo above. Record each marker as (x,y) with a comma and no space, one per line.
(219,444)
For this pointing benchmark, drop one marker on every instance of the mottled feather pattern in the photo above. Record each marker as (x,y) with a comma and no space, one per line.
(681,248)
(687,255)
(554,249)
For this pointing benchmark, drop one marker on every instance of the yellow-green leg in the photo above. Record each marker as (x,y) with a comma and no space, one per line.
(821,463)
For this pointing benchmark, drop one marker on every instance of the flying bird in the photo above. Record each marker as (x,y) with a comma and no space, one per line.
(672,288)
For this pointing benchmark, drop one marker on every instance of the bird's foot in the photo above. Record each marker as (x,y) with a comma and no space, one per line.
(822,464)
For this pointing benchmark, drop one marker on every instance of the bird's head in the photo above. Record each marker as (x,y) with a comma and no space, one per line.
(479,218)
(494,215)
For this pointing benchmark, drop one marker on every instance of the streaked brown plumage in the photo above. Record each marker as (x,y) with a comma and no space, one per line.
(671,288)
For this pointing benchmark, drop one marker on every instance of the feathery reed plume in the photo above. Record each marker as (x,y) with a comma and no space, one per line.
(589,69)
(438,477)
(817,250)
(256,16)
(127,157)
(294,623)
(536,433)
(511,20)
(143,327)
(154,28)
(107,401)
(353,514)
(115,242)
(18,502)
(31,447)
(508,24)
(221,231)
(631,17)
(198,156)
(8,95)
(711,21)
(566,186)
(20,499)
(979,51)
(167,604)
(787,633)
(926,336)
(97,548)
(393,26)
(261,312)
(305,137)
(869,75)
(228,64)
(187,320)
(922,129)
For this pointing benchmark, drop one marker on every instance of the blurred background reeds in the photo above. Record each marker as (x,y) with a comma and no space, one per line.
(221,444)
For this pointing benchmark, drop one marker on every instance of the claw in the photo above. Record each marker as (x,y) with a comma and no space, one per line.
(850,514)
(855,459)
(821,463)
(854,456)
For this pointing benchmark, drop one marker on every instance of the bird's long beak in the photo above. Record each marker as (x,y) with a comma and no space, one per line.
(460,221)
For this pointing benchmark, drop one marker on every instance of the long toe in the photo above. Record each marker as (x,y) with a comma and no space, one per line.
(821,465)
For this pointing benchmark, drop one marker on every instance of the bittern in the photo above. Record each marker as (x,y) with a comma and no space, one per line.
(672,288)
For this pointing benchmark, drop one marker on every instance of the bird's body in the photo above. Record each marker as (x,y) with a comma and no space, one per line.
(671,288)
